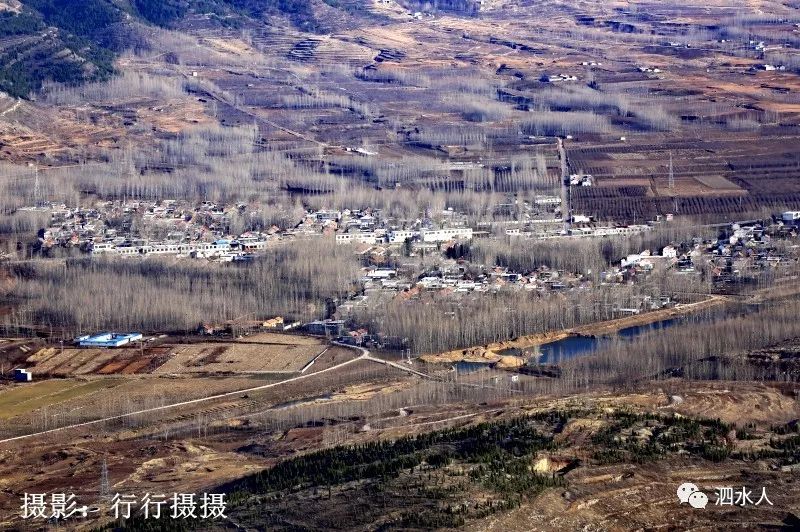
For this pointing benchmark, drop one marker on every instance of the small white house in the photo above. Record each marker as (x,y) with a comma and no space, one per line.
(382,273)
(22,375)
(791,216)
(635,258)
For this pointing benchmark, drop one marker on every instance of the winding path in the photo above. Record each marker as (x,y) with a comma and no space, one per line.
(364,356)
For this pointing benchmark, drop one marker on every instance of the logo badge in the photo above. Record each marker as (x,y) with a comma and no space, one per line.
(688,492)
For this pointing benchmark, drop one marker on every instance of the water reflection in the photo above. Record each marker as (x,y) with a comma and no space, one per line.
(574,346)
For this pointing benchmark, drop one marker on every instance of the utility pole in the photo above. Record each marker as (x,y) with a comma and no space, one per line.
(105,486)
(566,192)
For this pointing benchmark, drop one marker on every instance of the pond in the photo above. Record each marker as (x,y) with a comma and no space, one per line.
(465,368)
(574,346)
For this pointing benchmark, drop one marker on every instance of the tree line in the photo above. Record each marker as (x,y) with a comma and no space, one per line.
(81,295)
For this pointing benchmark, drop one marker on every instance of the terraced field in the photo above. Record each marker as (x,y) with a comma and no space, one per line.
(261,353)
(712,176)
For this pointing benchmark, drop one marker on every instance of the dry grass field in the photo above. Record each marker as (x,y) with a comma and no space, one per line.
(58,402)
(20,400)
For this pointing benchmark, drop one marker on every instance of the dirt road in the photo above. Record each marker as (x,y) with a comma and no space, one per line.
(364,356)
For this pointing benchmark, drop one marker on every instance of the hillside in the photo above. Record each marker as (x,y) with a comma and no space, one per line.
(73,42)
(485,265)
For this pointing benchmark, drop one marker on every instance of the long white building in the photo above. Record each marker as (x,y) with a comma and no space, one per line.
(201,249)
(445,235)
(358,238)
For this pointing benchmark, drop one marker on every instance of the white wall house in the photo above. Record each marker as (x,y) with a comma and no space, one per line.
(791,216)
(398,237)
(444,235)
(357,238)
